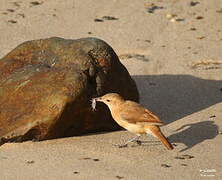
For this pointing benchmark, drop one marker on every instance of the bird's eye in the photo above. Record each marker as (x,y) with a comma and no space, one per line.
(108,100)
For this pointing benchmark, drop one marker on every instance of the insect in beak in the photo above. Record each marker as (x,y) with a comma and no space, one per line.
(93,105)
(94,100)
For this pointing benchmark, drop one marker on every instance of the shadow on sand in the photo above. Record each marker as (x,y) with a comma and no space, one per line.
(195,133)
(173,97)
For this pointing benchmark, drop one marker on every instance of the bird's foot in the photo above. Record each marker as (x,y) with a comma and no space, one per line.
(139,142)
(121,145)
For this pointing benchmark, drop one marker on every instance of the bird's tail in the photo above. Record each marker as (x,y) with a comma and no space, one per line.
(155,131)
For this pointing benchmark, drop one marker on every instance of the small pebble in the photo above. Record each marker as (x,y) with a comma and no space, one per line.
(35,3)
(152,8)
(199,17)
(219,11)
(194,3)
(98,20)
(185,156)
(213,116)
(22,15)
(193,29)
(95,159)
(75,172)
(10,10)
(30,162)
(119,177)
(201,37)
(180,19)
(165,165)
(169,16)
(109,18)
(173,20)
(12,21)
(89,32)
(86,158)
(183,164)
(148,41)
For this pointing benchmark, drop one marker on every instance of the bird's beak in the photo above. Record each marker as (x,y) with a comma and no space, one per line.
(98,99)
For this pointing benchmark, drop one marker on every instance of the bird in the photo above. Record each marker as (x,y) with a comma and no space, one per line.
(133,117)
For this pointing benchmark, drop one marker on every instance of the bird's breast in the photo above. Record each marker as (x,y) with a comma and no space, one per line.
(131,127)
(135,128)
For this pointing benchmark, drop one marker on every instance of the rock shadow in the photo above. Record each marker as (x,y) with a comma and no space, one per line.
(173,97)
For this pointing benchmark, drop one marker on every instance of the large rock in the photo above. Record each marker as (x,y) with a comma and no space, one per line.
(46,86)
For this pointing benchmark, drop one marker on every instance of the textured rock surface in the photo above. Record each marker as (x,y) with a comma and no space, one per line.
(46,87)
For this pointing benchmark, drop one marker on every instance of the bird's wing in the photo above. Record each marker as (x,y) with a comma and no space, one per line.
(135,113)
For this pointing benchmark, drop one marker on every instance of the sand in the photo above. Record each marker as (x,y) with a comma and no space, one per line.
(173,50)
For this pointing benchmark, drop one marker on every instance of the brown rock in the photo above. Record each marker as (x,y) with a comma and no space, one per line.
(46,86)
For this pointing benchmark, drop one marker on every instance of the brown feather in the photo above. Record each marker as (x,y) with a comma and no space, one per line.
(137,114)
(157,132)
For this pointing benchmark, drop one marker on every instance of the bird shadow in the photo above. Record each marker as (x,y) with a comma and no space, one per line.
(173,97)
(188,134)
(194,133)
(146,143)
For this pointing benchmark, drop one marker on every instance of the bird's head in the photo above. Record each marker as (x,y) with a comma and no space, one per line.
(111,99)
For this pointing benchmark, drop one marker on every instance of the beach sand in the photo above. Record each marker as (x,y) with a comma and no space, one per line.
(173,50)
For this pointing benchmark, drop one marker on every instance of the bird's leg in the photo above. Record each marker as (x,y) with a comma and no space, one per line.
(134,139)
(131,140)
(138,142)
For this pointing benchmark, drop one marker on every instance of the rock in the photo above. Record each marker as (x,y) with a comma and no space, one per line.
(46,86)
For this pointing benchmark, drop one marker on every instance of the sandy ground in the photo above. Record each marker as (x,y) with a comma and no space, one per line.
(172,48)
